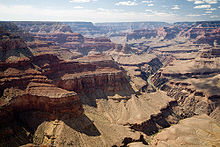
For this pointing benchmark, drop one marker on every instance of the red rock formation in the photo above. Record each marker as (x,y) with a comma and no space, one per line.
(83,74)
(26,88)
(23,82)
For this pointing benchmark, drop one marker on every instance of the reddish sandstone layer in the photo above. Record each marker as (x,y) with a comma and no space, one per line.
(25,88)
(86,73)
(31,81)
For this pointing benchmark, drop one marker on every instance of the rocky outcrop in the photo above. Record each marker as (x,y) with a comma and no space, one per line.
(87,74)
(52,101)
(25,87)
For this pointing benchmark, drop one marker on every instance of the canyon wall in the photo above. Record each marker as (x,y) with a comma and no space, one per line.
(64,89)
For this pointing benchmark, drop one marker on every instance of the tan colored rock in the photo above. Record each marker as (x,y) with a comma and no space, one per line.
(196,131)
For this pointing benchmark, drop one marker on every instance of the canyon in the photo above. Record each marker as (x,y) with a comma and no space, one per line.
(109,84)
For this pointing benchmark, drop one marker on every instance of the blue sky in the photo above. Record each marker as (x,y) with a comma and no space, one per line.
(110,11)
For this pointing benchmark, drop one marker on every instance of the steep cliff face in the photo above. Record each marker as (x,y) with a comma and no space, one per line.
(25,87)
(12,46)
(194,85)
(87,74)
(203,35)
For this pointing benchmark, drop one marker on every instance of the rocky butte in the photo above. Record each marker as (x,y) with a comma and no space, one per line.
(142,84)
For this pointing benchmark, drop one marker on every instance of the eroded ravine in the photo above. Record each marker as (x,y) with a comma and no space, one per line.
(187,104)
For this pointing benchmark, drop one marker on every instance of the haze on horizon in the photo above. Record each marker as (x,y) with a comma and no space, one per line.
(110,11)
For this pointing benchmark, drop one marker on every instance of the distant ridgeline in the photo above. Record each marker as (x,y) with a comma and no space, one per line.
(88,28)
(203,31)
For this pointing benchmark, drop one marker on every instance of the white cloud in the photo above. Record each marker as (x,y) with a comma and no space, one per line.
(79,1)
(219,7)
(175,7)
(199,2)
(193,15)
(202,6)
(203,1)
(209,12)
(150,5)
(32,13)
(126,3)
(211,1)
(78,7)
(147,2)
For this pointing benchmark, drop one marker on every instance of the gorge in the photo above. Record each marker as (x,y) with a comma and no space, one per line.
(109,84)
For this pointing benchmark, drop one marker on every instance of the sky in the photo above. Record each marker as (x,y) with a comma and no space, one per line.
(110,10)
